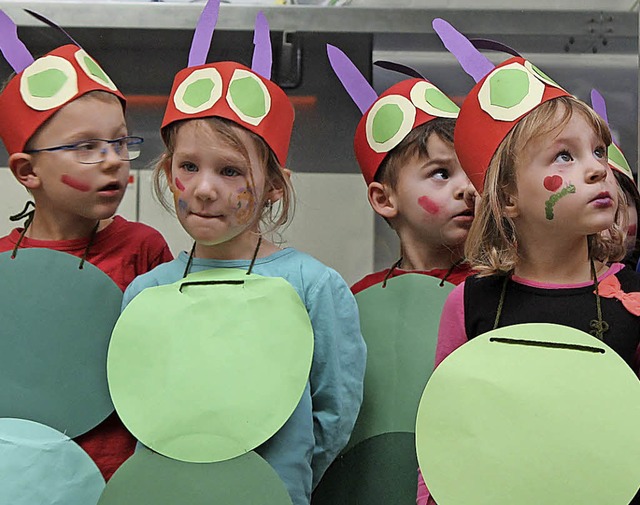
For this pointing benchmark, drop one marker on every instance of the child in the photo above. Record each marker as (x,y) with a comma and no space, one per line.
(550,219)
(224,165)
(64,129)
(624,175)
(415,182)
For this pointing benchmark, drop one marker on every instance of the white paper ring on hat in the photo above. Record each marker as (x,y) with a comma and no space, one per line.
(541,75)
(93,70)
(507,111)
(38,86)
(251,105)
(402,128)
(208,77)
(419,99)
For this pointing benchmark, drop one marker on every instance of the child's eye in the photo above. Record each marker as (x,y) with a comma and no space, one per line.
(230,172)
(88,145)
(564,157)
(600,152)
(187,166)
(440,174)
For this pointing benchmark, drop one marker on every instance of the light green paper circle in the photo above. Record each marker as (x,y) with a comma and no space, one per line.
(211,372)
(541,75)
(39,465)
(426,97)
(93,70)
(509,87)
(383,117)
(400,327)
(202,74)
(56,325)
(529,424)
(48,82)
(510,91)
(617,160)
(198,92)
(248,97)
(147,478)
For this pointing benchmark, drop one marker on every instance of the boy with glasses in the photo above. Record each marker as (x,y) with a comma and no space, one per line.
(64,128)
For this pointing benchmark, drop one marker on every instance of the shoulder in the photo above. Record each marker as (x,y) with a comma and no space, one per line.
(629,278)
(165,273)
(369,280)
(132,230)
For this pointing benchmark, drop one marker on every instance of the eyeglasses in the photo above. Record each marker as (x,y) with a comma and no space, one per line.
(94,151)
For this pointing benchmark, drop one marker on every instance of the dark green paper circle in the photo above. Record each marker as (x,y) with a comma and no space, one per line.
(512,422)
(56,324)
(381,470)
(206,372)
(400,326)
(148,478)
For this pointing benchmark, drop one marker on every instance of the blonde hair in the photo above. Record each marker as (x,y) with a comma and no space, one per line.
(492,243)
(275,178)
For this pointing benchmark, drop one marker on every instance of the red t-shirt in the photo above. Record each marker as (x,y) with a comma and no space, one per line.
(122,250)
(456,276)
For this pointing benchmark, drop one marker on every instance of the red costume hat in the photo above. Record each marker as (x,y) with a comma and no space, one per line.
(42,87)
(502,96)
(389,118)
(232,91)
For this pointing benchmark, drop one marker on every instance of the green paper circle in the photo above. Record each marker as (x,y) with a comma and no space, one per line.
(379,471)
(428,98)
(93,70)
(203,79)
(147,478)
(48,82)
(508,87)
(388,122)
(39,465)
(541,75)
(400,326)
(617,160)
(56,325)
(248,97)
(528,424)
(210,372)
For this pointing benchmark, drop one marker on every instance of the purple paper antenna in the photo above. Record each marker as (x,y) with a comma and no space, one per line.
(204,33)
(472,61)
(13,49)
(262,53)
(599,105)
(361,92)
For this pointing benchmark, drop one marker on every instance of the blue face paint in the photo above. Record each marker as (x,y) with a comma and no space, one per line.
(182,206)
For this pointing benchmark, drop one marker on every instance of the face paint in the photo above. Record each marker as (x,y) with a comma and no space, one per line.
(182,206)
(74,183)
(552,182)
(428,205)
(632,230)
(179,184)
(244,214)
(550,203)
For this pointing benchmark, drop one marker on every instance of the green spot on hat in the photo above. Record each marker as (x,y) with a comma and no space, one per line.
(47,83)
(248,96)
(508,87)
(544,76)
(387,122)
(95,69)
(617,158)
(440,101)
(198,92)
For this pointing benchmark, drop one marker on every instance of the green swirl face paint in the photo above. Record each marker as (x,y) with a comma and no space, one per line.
(553,199)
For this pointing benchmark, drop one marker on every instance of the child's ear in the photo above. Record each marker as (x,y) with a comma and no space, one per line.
(511,206)
(275,194)
(382,200)
(22,168)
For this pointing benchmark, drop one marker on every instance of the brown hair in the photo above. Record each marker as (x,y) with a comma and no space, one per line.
(414,143)
(275,177)
(491,245)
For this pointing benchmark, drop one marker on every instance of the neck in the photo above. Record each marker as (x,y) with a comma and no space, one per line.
(242,247)
(556,262)
(45,227)
(417,255)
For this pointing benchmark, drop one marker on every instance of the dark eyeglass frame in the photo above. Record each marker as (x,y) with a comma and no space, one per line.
(116,144)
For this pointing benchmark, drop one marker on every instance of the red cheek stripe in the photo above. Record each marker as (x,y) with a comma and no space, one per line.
(179,184)
(428,205)
(75,184)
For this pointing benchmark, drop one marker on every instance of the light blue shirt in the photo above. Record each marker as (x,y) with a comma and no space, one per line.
(321,424)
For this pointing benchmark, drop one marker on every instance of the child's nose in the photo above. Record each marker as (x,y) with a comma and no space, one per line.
(111,157)
(205,187)
(596,171)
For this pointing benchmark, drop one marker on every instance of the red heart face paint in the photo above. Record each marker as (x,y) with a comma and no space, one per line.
(74,183)
(428,205)
(179,184)
(552,182)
